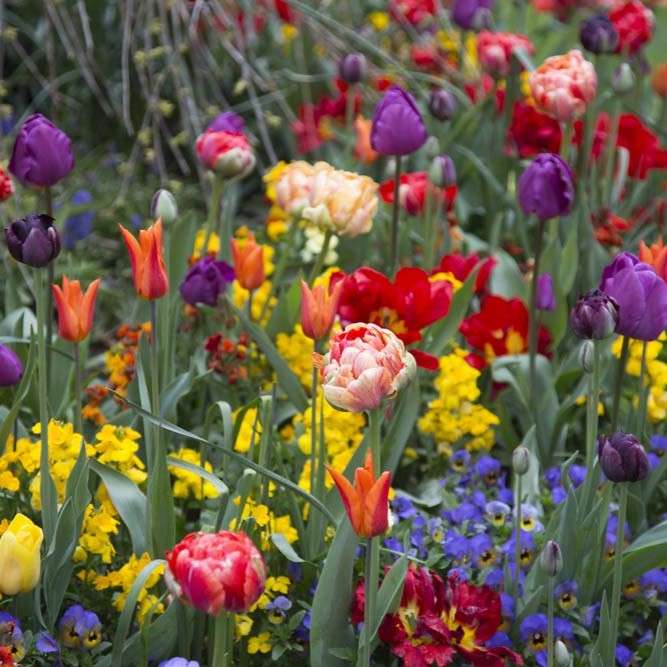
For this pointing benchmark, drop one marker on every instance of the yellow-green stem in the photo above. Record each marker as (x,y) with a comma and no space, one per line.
(394,258)
(77,388)
(618,562)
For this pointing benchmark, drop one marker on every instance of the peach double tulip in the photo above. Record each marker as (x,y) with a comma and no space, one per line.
(148,268)
(75,309)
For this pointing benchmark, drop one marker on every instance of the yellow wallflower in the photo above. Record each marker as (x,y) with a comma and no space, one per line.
(297,350)
(267,522)
(188,484)
(260,644)
(260,296)
(379,20)
(98,524)
(117,446)
(250,431)
(213,244)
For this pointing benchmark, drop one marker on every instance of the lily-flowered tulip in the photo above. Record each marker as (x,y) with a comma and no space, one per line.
(318,309)
(216,572)
(19,556)
(75,309)
(248,259)
(148,268)
(365,365)
(655,255)
(367,502)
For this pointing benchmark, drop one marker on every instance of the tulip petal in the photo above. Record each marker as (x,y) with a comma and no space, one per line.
(350,498)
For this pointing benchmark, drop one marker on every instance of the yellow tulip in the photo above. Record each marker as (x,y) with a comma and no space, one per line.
(19,556)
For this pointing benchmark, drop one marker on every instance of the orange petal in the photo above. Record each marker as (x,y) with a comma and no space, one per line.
(376,506)
(350,498)
(135,252)
(68,324)
(88,306)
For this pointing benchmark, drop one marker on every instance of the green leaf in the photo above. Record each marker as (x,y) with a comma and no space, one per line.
(225,411)
(285,548)
(567,269)
(199,471)
(178,388)
(286,313)
(129,501)
(658,656)
(389,595)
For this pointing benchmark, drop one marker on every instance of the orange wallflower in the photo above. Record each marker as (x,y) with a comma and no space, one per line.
(148,267)
(75,309)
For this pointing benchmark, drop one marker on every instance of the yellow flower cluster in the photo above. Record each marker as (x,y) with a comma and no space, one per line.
(249,433)
(117,447)
(259,298)
(98,524)
(267,522)
(454,417)
(297,350)
(188,484)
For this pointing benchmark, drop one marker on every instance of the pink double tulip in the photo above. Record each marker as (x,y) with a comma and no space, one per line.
(226,153)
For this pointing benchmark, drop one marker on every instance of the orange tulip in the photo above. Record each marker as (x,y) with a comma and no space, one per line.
(655,255)
(318,309)
(367,502)
(363,150)
(75,309)
(148,268)
(248,258)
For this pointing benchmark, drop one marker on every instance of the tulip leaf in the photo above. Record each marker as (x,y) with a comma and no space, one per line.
(285,548)
(658,656)
(227,423)
(199,471)
(173,393)
(389,595)
(286,313)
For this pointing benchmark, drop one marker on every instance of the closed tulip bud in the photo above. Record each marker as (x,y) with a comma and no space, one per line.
(33,240)
(622,458)
(442,172)
(248,259)
(442,104)
(551,559)
(561,654)
(352,67)
(598,34)
(205,281)
(148,268)
(594,316)
(19,556)
(472,14)
(586,355)
(11,368)
(623,79)
(163,206)
(318,309)
(521,460)
(75,309)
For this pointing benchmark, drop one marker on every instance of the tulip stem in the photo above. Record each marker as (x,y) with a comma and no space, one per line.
(313,430)
(592,407)
(393,264)
(618,562)
(370,596)
(643,394)
(532,343)
(223,647)
(321,257)
(550,622)
(78,426)
(517,542)
(214,216)
(625,348)
(283,258)
(48,205)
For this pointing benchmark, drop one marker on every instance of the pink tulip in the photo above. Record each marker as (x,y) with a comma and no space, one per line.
(365,365)
(216,572)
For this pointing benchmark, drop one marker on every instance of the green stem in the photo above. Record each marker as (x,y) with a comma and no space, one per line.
(48,204)
(625,348)
(618,562)
(313,428)
(644,381)
(592,407)
(551,640)
(349,114)
(517,542)
(374,428)
(78,426)
(319,262)
(322,456)
(222,647)
(370,596)
(394,259)
(532,343)
(566,140)
(610,154)
(214,216)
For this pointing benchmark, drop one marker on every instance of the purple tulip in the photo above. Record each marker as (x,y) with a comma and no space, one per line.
(598,34)
(227,121)
(33,240)
(42,153)
(594,316)
(546,187)
(398,128)
(352,67)
(641,295)
(472,14)
(442,104)
(11,368)
(546,299)
(622,458)
(205,281)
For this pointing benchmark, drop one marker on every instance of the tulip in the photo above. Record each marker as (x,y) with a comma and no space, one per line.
(659,80)
(11,368)
(205,281)
(75,309)
(546,187)
(472,14)
(496,49)
(442,104)
(655,255)
(352,67)
(163,206)
(365,365)
(226,153)
(641,295)
(398,128)
(634,23)
(6,186)
(623,79)
(551,558)
(248,259)
(367,502)
(442,172)
(148,267)
(33,240)
(318,309)
(546,300)
(594,316)
(622,458)
(227,121)
(42,154)
(363,150)
(598,34)
(216,572)
(19,556)
(520,460)
(179,662)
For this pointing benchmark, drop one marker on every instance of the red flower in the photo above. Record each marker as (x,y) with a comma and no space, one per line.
(412,11)
(6,185)
(642,144)
(495,50)
(461,267)
(425,57)
(609,228)
(599,136)
(412,192)
(634,22)
(500,328)
(533,132)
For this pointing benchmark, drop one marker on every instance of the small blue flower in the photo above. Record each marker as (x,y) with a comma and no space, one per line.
(466,511)
(592,614)
(499,639)
(527,542)
(577,474)
(80,628)
(530,519)
(558,495)
(278,609)
(79,225)
(496,512)
(45,643)
(482,550)
(623,655)
(179,662)
(460,460)
(394,544)
(455,545)
(488,469)
(566,594)
(403,507)
(654,580)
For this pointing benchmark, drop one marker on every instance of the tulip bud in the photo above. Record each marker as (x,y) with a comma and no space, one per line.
(561,654)
(546,187)
(546,300)
(551,558)
(521,460)
(623,79)
(33,240)
(622,458)
(442,104)
(586,355)
(483,20)
(19,556)
(11,368)
(163,205)
(352,67)
(227,153)
(598,34)
(432,147)
(594,316)
(205,281)
(442,172)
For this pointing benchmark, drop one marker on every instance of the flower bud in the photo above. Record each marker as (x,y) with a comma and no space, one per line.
(546,300)
(546,187)
(551,558)
(11,368)
(352,67)
(598,34)
(442,172)
(521,460)
(586,355)
(623,79)
(594,316)
(33,240)
(561,654)
(432,147)
(622,458)
(483,20)
(442,104)
(163,205)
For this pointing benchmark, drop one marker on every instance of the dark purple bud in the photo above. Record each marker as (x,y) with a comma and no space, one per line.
(622,458)
(641,295)
(472,14)
(546,187)
(442,172)
(42,153)
(442,104)
(205,281)
(227,121)
(551,558)
(33,240)
(352,67)
(598,34)
(398,128)
(11,368)
(546,299)
(594,316)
